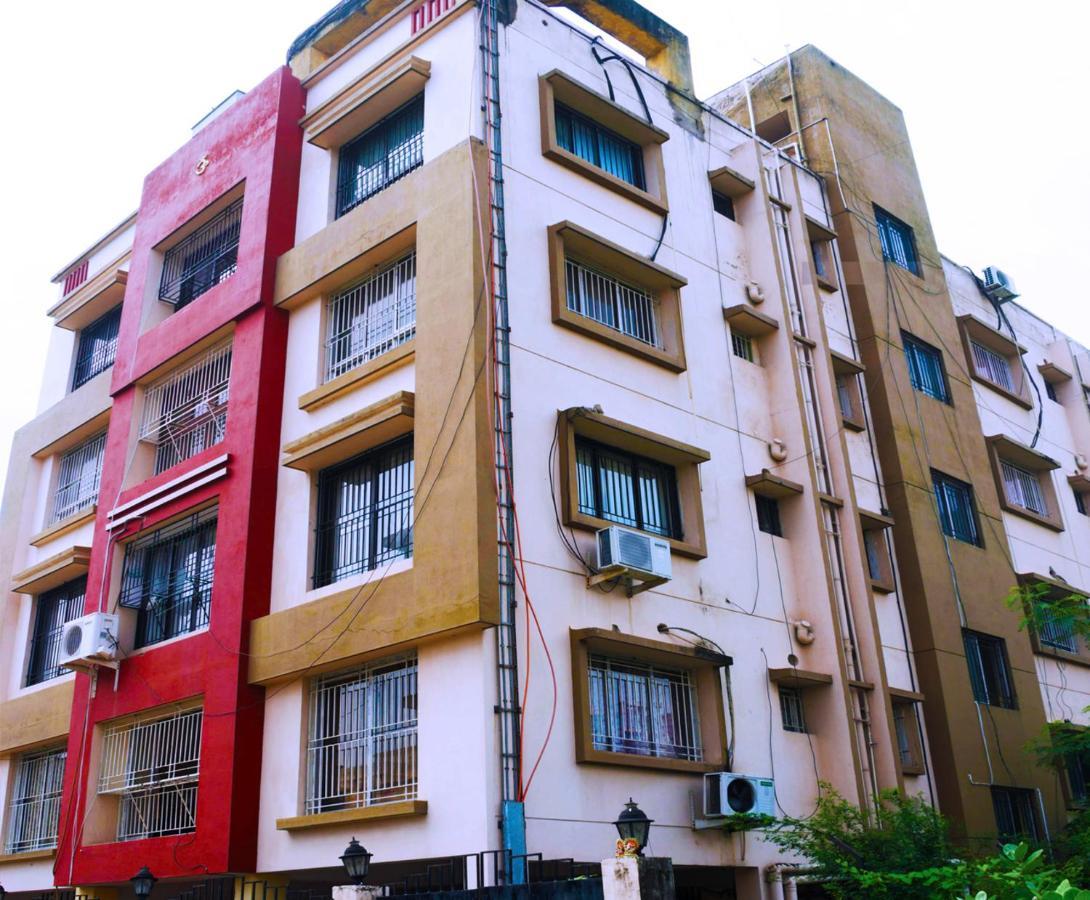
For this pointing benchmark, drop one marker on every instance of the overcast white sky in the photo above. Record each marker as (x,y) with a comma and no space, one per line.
(993,92)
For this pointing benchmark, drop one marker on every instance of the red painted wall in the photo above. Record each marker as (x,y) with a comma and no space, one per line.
(257,141)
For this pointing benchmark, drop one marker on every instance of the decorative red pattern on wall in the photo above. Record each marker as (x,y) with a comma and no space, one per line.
(428,11)
(76,277)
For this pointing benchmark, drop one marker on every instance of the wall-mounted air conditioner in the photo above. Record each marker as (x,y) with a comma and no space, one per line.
(998,285)
(624,552)
(728,794)
(89,640)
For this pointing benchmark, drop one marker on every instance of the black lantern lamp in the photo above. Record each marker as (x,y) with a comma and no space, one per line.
(142,883)
(633,823)
(357,862)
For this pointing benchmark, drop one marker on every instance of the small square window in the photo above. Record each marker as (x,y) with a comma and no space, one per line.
(723,205)
(792,711)
(925,368)
(989,670)
(1023,488)
(1015,815)
(742,346)
(957,515)
(992,366)
(768,515)
(898,241)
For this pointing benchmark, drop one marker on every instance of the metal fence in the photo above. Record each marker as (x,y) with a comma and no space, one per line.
(35,801)
(78,478)
(203,259)
(610,302)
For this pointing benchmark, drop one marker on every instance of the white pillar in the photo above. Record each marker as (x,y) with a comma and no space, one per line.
(356,892)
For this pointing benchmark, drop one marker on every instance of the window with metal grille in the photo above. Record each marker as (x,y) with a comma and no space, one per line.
(365,512)
(77,478)
(898,241)
(185,412)
(387,151)
(623,307)
(792,713)
(989,669)
(741,345)
(818,250)
(599,146)
(844,395)
(1055,631)
(1078,776)
(955,505)
(904,719)
(52,611)
(152,766)
(925,369)
(97,348)
(642,709)
(1080,503)
(201,261)
(1015,816)
(34,807)
(361,737)
(1023,488)
(1050,392)
(992,366)
(768,515)
(874,542)
(627,489)
(167,576)
(371,317)
(723,205)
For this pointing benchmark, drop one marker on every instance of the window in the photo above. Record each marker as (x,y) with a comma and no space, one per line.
(371,317)
(151,765)
(906,728)
(792,712)
(1050,391)
(34,808)
(1022,488)
(955,504)
(599,146)
(52,611)
(186,411)
(989,670)
(723,205)
(627,489)
(167,576)
(742,346)
(768,515)
(97,347)
(643,709)
(1015,817)
(361,737)
(77,479)
(385,152)
(845,395)
(898,241)
(1080,503)
(202,260)
(1057,632)
(1077,765)
(365,512)
(615,304)
(873,543)
(925,368)
(992,366)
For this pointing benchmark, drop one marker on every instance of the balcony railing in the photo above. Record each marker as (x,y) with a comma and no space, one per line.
(202,260)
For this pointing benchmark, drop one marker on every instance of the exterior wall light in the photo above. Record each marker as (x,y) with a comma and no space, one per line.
(633,824)
(142,883)
(357,862)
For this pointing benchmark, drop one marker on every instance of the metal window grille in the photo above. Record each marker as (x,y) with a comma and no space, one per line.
(1015,817)
(371,317)
(78,478)
(989,670)
(741,345)
(202,260)
(365,512)
(925,368)
(898,241)
(167,576)
(639,708)
(186,411)
(768,515)
(53,610)
(1023,488)
(97,347)
(1055,631)
(955,504)
(992,366)
(1078,775)
(34,808)
(627,489)
(792,712)
(1050,392)
(599,146)
(361,739)
(152,765)
(901,725)
(387,151)
(623,307)
(844,397)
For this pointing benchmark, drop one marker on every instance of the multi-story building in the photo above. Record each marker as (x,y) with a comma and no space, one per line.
(332,425)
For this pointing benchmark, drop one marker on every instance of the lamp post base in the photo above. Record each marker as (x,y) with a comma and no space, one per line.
(357,892)
(637,878)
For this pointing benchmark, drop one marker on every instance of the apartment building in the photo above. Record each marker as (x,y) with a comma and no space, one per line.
(337,426)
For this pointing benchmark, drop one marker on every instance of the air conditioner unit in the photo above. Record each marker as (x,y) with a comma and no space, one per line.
(728,794)
(998,285)
(622,551)
(89,640)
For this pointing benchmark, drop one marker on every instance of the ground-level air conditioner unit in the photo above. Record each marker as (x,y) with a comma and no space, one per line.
(728,794)
(998,285)
(89,641)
